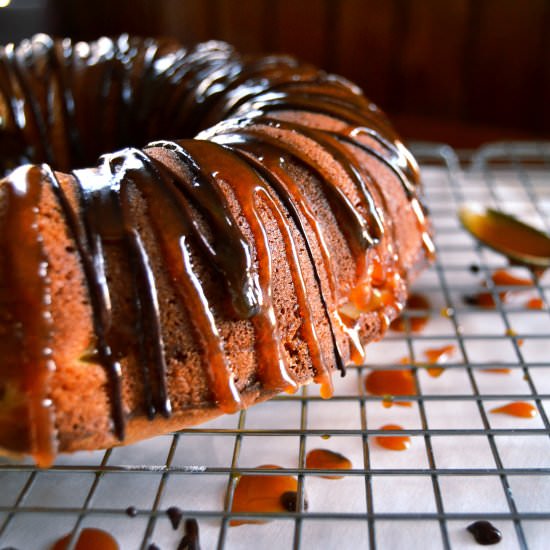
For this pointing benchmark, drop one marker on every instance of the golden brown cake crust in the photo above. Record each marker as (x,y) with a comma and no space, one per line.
(193,277)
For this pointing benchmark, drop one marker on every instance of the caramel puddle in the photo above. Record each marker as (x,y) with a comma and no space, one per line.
(323,459)
(393,442)
(89,539)
(389,383)
(437,356)
(521,409)
(262,493)
(415,302)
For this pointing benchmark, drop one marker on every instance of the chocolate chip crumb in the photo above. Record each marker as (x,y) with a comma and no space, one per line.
(175,515)
(485,533)
(289,500)
(131,511)
(191,539)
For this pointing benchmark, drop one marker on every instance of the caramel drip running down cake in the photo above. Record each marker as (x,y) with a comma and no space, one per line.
(258,223)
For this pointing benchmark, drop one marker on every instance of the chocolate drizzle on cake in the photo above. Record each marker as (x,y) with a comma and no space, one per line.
(184,185)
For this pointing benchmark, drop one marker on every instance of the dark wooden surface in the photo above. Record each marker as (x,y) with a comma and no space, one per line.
(457,70)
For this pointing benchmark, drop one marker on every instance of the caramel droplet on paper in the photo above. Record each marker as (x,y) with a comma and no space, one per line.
(535,303)
(389,383)
(88,539)
(416,302)
(261,493)
(518,408)
(500,278)
(437,356)
(498,370)
(393,442)
(323,459)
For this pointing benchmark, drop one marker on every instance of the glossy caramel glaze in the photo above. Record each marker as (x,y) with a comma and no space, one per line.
(520,242)
(27,305)
(217,198)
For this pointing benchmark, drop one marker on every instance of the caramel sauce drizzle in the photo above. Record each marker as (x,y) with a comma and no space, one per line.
(174,231)
(409,182)
(248,186)
(29,314)
(288,192)
(358,239)
(348,163)
(351,222)
(322,370)
(397,153)
(271,169)
(130,76)
(234,262)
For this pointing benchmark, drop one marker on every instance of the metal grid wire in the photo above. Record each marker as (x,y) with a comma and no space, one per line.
(465,463)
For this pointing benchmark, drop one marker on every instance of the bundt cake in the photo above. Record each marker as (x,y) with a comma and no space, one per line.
(186,278)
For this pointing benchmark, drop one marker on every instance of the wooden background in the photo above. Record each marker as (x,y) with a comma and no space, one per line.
(460,70)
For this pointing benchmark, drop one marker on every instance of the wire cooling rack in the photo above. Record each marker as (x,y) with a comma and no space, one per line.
(465,462)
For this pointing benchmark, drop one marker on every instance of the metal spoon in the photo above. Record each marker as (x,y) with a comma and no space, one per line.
(504,233)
